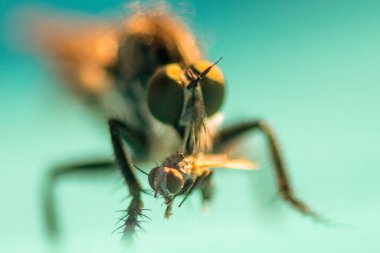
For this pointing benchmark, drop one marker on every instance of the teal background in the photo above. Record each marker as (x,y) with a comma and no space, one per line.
(310,68)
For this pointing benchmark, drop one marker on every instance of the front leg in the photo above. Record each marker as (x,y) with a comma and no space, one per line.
(134,210)
(207,190)
(50,185)
(229,135)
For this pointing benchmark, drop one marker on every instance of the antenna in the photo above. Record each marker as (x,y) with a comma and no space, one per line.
(194,82)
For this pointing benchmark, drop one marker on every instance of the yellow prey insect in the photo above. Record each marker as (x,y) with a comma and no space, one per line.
(180,174)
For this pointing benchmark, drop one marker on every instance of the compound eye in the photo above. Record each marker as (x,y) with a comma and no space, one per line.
(152,176)
(212,86)
(165,93)
(174,181)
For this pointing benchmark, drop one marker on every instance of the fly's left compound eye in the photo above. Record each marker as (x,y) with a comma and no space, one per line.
(165,93)
(174,181)
(212,85)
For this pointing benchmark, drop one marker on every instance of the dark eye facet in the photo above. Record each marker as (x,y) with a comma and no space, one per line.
(151,176)
(174,181)
(165,93)
(212,86)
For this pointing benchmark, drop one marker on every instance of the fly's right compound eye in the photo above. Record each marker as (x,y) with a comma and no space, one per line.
(165,93)
(213,85)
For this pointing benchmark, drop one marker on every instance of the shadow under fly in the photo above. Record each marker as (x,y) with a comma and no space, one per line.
(164,100)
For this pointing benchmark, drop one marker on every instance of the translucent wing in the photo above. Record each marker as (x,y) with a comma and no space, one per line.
(109,63)
(222,161)
(80,50)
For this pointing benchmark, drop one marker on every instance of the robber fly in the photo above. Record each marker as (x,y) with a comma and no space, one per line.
(165,99)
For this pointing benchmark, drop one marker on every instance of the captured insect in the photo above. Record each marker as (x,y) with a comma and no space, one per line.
(162,99)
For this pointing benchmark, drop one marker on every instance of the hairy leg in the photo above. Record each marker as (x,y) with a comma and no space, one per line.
(48,188)
(168,210)
(207,189)
(134,210)
(226,136)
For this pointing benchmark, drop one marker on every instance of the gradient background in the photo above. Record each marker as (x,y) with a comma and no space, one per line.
(311,68)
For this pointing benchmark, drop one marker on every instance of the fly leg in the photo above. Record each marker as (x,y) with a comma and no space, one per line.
(204,182)
(134,210)
(207,189)
(197,182)
(168,210)
(229,135)
(49,185)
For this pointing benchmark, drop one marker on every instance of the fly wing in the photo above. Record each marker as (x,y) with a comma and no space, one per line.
(78,49)
(93,56)
(223,161)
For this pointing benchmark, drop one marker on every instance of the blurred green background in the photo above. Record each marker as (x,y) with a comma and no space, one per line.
(310,68)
